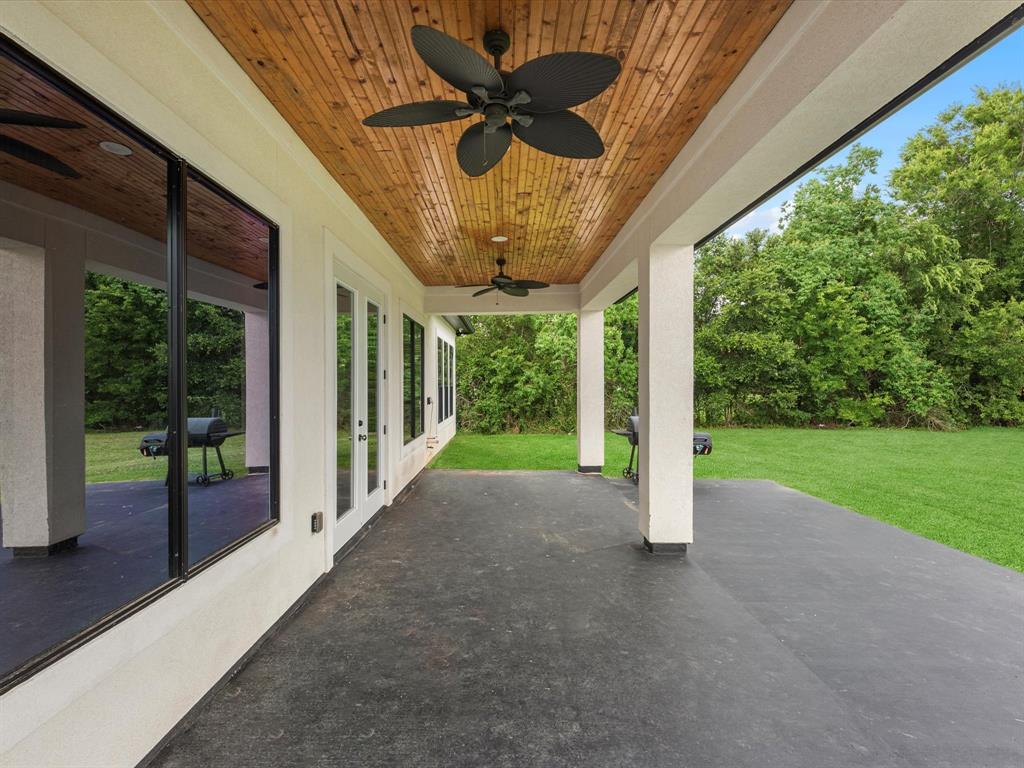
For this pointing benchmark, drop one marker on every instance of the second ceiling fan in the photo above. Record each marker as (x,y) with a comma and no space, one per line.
(531,103)
(505,284)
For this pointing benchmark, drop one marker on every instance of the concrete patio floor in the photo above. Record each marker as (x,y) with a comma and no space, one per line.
(511,619)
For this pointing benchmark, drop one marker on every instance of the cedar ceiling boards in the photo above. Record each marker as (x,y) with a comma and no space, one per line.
(327,64)
(130,191)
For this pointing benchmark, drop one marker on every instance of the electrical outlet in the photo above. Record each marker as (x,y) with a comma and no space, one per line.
(317,522)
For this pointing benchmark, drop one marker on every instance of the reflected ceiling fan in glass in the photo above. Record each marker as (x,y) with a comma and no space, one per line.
(29,153)
(531,103)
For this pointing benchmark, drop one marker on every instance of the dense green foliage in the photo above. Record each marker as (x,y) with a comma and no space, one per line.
(962,489)
(126,356)
(517,373)
(896,306)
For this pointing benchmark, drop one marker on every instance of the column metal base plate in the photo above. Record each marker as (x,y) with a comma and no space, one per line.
(660,548)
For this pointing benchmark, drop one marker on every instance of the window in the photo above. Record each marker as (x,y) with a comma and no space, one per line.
(412,378)
(445,380)
(228,366)
(451,380)
(110,311)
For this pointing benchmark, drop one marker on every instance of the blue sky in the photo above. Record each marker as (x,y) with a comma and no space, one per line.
(1001,64)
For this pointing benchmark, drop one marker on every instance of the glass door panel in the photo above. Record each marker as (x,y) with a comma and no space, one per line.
(360,380)
(346,388)
(373,419)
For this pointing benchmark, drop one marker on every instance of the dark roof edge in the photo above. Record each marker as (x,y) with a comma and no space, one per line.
(461,323)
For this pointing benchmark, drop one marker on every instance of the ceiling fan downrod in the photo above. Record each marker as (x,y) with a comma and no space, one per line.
(497,43)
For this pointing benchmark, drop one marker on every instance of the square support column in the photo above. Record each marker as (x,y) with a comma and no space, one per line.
(257,392)
(590,391)
(666,398)
(42,395)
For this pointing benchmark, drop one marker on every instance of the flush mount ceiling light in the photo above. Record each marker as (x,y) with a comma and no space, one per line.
(499,239)
(115,148)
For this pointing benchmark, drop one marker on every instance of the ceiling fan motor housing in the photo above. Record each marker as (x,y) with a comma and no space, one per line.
(501,277)
(496,43)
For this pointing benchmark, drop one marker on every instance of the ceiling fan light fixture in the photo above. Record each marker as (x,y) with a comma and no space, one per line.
(116,148)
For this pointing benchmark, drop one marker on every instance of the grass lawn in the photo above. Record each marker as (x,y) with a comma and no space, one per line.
(964,489)
(114,456)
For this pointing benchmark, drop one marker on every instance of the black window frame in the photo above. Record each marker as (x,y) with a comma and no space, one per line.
(445,380)
(451,380)
(413,384)
(440,379)
(178,171)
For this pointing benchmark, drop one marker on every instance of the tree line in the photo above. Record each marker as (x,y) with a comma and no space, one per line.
(126,356)
(898,304)
(893,305)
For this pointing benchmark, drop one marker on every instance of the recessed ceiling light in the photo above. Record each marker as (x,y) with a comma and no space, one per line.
(499,239)
(115,149)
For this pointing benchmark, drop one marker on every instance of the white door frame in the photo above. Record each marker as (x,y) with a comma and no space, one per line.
(339,274)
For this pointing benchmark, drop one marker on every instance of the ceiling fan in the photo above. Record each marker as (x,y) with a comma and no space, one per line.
(505,284)
(535,98)
(27,152)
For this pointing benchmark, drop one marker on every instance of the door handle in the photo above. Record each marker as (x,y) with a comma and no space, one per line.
(362,437)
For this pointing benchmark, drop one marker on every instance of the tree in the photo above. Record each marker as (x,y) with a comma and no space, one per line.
(901,306)
(126,357)
(965,174)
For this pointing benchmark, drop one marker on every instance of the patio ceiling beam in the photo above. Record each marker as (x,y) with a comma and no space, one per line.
(825,68)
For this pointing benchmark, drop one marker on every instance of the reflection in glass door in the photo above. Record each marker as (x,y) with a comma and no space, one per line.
(373,420)
(360,384)
(345,379)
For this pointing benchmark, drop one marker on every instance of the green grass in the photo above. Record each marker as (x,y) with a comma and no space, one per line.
(964,489)
(114,457)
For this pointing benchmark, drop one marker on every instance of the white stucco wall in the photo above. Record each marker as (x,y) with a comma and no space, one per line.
(110,702)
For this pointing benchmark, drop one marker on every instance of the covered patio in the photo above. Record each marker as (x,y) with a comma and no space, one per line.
(508,618)
(213,182)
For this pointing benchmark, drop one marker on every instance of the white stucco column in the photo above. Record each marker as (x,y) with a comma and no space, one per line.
(42,395)
(666,397)
(257,392)
(590,391)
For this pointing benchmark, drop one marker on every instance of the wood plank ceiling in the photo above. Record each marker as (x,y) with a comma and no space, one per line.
(327,64)
(130,191)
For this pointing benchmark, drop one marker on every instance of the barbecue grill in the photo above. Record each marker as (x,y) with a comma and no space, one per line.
(701,445)
(202,433)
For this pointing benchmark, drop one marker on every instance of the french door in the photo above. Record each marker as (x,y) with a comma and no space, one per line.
(360,404)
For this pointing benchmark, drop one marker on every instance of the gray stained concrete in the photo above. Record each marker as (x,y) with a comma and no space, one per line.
(511,619)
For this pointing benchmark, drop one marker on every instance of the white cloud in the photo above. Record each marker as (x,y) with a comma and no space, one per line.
(767,217)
